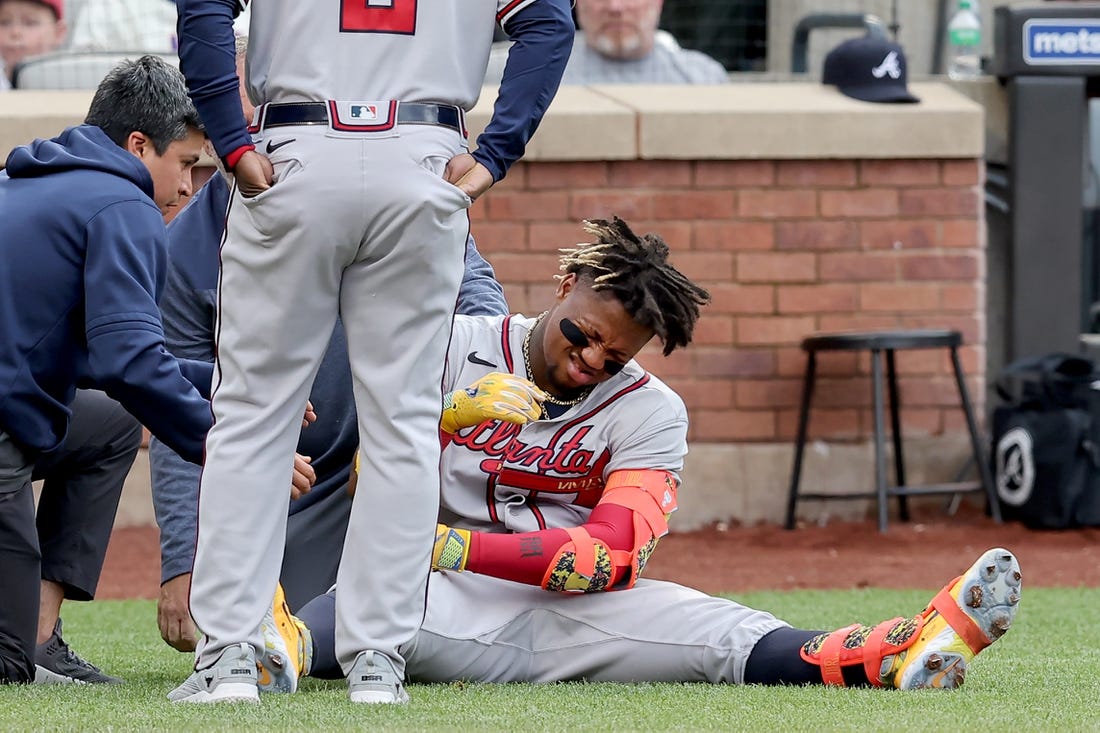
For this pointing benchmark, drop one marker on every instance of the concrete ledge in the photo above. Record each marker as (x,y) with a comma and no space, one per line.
(579,125)
(791,120)
(25,115)
(799,120)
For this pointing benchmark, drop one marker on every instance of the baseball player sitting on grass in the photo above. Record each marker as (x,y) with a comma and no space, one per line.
(560,469)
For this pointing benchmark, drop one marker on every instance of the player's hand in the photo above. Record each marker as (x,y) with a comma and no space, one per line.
(353,475)
(465,172)
(254,173)
(310,416)
(173,617)
(304,477)
(496,396)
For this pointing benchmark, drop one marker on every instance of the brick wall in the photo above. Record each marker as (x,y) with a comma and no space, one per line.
(786,248)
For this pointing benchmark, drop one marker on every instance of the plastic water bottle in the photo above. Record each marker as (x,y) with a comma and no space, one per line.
(964,40)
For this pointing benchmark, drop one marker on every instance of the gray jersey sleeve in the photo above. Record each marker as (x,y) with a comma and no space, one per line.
(654,437)
(480,293)
(175,485)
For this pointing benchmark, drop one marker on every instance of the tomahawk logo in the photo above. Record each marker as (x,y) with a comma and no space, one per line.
(890,65)
(1015,467)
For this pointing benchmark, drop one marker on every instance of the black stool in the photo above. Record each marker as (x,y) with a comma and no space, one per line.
(878,342)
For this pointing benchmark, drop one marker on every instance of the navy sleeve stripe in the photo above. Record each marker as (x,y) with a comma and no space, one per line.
(123,322)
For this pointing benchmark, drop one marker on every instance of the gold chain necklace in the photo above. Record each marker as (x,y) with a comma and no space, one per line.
(530,374)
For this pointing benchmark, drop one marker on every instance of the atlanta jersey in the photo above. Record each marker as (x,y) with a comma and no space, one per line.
(549,473)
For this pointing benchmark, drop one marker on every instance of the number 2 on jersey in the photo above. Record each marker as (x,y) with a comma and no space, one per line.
(378,16)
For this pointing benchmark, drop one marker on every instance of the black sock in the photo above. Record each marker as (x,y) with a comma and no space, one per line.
(776,660)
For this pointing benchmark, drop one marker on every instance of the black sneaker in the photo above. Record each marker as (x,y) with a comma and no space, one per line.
(56,664)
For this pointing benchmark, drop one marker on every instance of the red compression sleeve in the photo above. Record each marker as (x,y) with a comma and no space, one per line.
(526,556)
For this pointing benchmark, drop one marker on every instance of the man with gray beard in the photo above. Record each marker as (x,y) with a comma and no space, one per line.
(619,43)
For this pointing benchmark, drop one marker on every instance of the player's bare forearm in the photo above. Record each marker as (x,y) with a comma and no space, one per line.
(173,616)
(472,177)
(254,173)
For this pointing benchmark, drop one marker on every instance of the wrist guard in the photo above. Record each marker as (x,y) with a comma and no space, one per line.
(452,548)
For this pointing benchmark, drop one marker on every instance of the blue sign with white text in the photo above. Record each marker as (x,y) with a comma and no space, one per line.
(1061,41)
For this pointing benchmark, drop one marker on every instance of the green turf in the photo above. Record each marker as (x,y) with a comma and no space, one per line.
(1044,676)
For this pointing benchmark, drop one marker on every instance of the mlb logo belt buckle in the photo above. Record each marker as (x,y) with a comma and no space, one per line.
(363,116)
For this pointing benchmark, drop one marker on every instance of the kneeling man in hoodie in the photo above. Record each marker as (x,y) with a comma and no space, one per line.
(82,261)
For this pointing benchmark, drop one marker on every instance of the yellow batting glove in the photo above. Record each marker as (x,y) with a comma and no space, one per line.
(496,396)
(452,548)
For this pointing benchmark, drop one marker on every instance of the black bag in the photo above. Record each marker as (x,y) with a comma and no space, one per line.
(1046,460)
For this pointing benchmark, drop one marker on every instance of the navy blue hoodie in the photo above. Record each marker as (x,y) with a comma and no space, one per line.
(83,255)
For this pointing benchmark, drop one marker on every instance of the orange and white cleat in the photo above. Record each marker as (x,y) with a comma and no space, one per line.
(969,614)
(934,648)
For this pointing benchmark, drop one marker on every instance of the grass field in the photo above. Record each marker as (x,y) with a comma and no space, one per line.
(1043,676)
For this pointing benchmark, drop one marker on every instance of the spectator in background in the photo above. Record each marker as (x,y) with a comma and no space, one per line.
(125,25)
(28,28)
(132,25)
(619,43)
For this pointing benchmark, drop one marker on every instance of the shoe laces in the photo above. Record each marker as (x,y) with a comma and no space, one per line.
(60,647)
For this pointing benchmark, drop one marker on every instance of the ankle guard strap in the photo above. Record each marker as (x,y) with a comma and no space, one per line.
(962,624)
(859,644)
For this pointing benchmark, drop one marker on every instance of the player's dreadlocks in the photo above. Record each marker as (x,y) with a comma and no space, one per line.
(636,270)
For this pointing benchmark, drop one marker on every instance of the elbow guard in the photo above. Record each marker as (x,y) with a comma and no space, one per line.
(651,496)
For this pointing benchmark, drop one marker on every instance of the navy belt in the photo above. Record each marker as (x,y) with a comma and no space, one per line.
(317,113)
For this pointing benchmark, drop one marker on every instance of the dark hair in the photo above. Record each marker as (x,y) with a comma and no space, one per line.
(636,270)
(148,96)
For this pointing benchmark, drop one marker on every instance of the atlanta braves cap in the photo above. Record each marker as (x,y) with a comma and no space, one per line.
(870,68)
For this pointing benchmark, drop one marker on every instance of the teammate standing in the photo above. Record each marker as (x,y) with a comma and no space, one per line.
(350,200)
(565,486)
(318,521)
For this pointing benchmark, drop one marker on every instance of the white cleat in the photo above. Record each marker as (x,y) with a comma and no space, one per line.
(373,680)
(232,678)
